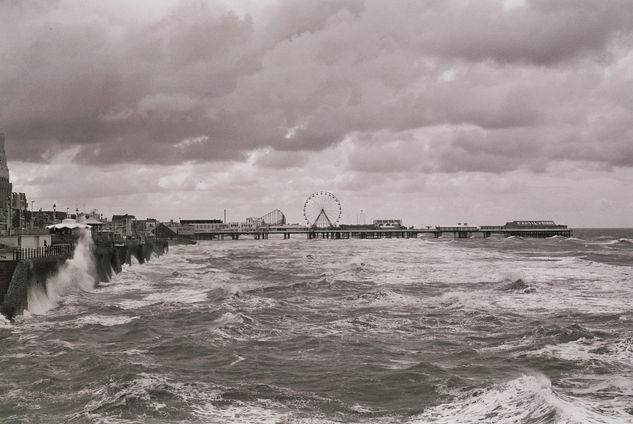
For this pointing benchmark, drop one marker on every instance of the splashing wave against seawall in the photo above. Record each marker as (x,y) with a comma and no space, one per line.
(76,273)
(323,331)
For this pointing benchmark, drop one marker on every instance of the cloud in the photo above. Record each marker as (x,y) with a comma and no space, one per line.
(214,104)
(128,88)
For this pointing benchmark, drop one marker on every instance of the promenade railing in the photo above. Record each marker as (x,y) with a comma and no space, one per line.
(39,252)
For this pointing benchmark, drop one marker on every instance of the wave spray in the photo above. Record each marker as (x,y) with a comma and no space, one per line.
(77,272)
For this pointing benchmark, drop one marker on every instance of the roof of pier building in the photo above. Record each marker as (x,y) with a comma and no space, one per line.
(530,224)
(200,221)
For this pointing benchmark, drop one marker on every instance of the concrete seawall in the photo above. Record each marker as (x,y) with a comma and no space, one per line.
(17,277)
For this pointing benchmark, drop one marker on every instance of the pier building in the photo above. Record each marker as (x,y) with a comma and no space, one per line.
(207,229)
(201,225)
(525,225)
(387,223)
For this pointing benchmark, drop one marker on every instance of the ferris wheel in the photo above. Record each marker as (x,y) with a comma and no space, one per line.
(322,210)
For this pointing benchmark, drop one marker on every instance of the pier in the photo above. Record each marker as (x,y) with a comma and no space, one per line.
(459,232)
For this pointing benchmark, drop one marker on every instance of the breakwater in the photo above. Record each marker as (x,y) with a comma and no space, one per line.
(37,283)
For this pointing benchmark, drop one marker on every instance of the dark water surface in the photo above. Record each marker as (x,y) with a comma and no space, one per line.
(312,331)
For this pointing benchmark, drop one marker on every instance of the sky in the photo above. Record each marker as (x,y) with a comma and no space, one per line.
(437,112)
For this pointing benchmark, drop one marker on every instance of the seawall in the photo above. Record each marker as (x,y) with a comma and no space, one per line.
(16,278)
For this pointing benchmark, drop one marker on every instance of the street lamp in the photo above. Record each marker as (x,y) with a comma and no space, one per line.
(54,213)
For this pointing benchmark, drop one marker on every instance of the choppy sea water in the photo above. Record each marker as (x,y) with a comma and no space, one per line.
(320,331)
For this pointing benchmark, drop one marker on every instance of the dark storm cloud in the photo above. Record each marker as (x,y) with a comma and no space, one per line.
(543,32)
(515,87)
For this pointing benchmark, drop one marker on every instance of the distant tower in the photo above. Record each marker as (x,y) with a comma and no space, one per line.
(5,187)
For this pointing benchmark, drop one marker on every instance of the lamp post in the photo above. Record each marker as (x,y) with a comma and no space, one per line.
(54,214)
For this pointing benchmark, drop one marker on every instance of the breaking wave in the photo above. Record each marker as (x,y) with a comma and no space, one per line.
(77,272)
(527,399)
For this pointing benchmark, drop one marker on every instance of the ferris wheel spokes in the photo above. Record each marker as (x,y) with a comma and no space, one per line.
(322,210)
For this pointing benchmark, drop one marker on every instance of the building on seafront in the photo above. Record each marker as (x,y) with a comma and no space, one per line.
(22,217)
(6,220)
(41,218)
(122,225)
(145,227)
(14,207)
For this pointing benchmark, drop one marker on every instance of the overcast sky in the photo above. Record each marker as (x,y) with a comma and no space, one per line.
(435,112)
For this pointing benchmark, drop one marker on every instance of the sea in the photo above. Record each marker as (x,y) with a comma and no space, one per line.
(497,330)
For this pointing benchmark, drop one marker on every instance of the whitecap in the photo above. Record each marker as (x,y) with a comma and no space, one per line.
(530,398)
(589,350)
(4,323)
(183,295)
(238,360)
(573,238)
(104,320)
(228,318)
(382,297)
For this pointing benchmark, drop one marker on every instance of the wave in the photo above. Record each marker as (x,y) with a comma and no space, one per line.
(147,394)
(4,323)
(464,301)
(104,320)
(160,399)
(77,272)
(572,238)
(228,319)
(518,285)
(612,242)
(530,398)
(590,350)
(565,334)
(383,297)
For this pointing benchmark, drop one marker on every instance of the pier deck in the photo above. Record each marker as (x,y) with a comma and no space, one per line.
(339,233)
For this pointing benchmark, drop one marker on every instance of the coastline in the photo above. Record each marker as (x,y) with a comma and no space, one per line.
(19,277)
